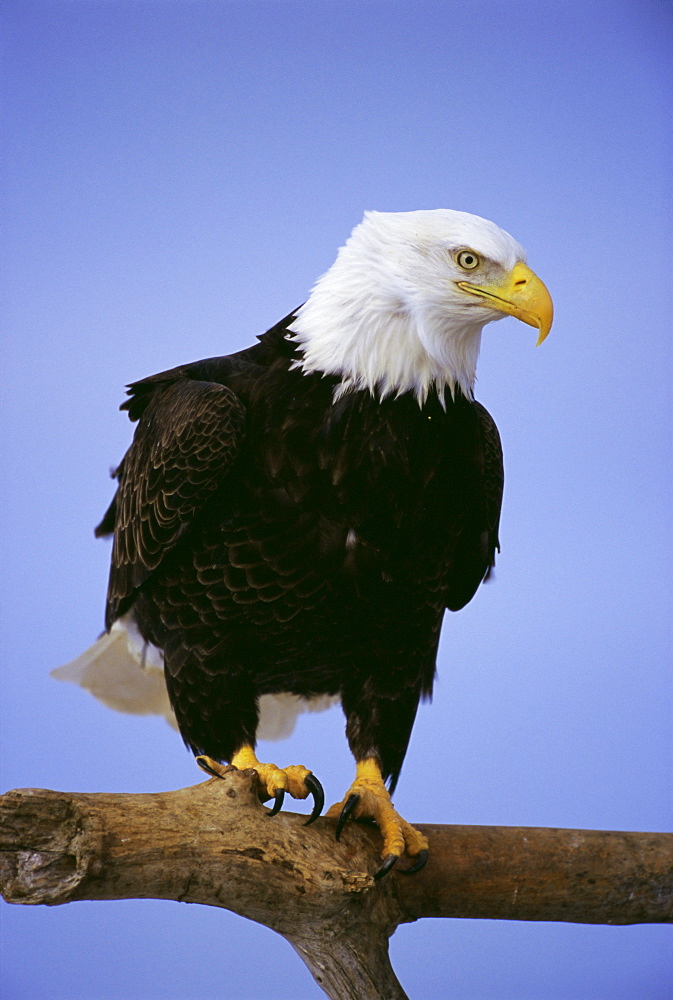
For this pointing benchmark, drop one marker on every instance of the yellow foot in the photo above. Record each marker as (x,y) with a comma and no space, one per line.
(274,781)
(368,798)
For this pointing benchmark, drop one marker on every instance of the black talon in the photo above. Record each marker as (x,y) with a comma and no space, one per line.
(201,761)
(316,790)
(279,795)
(417,865)
(348,808)
(389,862)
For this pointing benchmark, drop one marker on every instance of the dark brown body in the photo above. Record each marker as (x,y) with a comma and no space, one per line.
(269,539)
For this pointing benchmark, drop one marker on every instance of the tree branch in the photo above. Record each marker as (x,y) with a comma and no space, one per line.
(213,844)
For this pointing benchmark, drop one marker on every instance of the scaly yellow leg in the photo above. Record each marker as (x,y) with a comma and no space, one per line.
(368,798)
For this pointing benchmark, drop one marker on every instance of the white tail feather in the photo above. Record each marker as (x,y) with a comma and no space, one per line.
(278,712)
(116,672)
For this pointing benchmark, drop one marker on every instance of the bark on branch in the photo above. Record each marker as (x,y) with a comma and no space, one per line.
(213,843)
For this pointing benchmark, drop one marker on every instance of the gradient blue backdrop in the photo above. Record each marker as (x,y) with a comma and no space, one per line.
(177,175)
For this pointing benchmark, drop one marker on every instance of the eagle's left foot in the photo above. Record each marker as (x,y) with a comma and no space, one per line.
(274,781)
(368,798)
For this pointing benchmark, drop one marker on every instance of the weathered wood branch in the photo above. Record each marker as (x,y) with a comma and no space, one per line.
(212,843)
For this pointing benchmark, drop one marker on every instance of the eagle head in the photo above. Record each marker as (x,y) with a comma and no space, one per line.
(403,306)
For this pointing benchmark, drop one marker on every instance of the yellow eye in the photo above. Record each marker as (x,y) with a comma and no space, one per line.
(468,260)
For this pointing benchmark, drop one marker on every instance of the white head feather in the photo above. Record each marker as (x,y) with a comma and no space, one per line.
(389,317)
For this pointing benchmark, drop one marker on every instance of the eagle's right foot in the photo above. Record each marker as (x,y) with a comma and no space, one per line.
(274,781)
(368,798)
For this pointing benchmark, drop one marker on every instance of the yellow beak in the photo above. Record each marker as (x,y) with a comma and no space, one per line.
(521,294)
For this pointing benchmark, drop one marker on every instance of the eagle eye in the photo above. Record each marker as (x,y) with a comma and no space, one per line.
(467,259)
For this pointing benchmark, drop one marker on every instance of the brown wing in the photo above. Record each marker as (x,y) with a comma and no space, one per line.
(474,556)
(186,441)
(494,476)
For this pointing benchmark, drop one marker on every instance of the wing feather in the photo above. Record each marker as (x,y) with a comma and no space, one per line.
(474,557)
(187,439)
(494,476)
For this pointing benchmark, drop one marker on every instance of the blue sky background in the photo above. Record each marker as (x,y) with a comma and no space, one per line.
(177,175)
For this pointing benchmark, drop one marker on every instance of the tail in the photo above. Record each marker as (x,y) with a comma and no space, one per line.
(123,672)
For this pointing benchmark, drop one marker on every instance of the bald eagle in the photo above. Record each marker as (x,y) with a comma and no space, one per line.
(291,521)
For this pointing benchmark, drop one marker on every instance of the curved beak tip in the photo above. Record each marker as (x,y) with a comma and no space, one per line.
(534,300)
(545,324)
